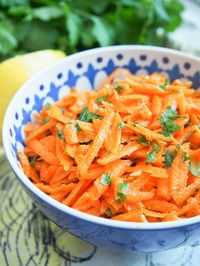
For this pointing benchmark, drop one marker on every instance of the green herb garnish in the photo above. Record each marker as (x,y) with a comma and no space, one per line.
(194,168)
(32,162)
(168,159)
(118,88)
(122,190)
(101,99)
(166,120)
(77,127)
(142,140)
(120,125)
(60,134)
(47,106)
(151,156)
(164,85)
(62,110)
(45,120)
(88,117)
(105,179)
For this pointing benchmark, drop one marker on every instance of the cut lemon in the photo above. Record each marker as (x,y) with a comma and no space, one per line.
(15,71)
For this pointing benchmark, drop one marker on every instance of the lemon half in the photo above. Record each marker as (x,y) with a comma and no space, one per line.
(15,71)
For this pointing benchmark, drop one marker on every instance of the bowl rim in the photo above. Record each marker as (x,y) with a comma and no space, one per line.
(60,206)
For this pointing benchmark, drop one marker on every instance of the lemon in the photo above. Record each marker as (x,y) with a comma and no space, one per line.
(15,71)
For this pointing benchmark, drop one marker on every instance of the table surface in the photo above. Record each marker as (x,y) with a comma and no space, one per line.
(27,238)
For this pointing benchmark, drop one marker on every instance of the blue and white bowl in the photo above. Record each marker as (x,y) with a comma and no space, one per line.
(85,71)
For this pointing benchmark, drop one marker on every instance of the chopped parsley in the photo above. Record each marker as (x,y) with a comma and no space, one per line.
(166,120)
(120,125)
(151,156)
(194,168)
(101,99)
(105,180)
(77,127)
(62,110)
(47,106)
(168,159)
(118,88)
(88,117)
(60,134)
(122,190)
(164,85)
(32,162)
(45,120)
(142,140)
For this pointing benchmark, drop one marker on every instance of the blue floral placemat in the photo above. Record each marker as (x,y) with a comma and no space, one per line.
(27,238)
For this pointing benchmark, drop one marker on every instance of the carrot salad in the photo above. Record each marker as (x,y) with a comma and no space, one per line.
(129,151)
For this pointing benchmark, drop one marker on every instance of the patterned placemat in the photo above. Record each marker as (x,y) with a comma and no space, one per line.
(27,238)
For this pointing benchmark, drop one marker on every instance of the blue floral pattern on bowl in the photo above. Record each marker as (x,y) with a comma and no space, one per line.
(86,71)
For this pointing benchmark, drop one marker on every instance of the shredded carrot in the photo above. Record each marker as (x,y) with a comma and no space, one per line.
(129,151)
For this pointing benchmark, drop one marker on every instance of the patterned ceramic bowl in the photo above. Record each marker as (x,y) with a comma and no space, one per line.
(86,70)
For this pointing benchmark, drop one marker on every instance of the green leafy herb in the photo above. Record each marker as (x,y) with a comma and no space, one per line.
(45,120)
(186,157)
(47,106)
(77,127)
(151,156)
(69,123)
(142,140)
(105,179)
(101,99)
(122,190)
(117,200)
(166,120)
(120,125)
(194,168)
(164,86)
(118,88)
(32,162)
(88,117)
(79,25)
(168,159)
(62,110)
(60,134)
(166,134)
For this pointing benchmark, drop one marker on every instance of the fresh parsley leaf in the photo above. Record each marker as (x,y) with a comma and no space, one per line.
(122,190)
(120,125)
(32,162)
(168,159)
(118,88)
(117,200)
(47,106)
(91,116)
(105,179)
(166,134)
(83,115)
(45,120)
(170,114)
(101,99)
(164,86)
(194,168)
(142,140)
(186,157)
(62,110)
(151,156)
(88,117)
(60,134)
(77,127)
(167,122)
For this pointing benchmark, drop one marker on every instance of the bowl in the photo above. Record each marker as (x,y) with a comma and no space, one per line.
(86,70)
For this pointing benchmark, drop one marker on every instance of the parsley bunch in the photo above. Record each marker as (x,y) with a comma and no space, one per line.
(77,25)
